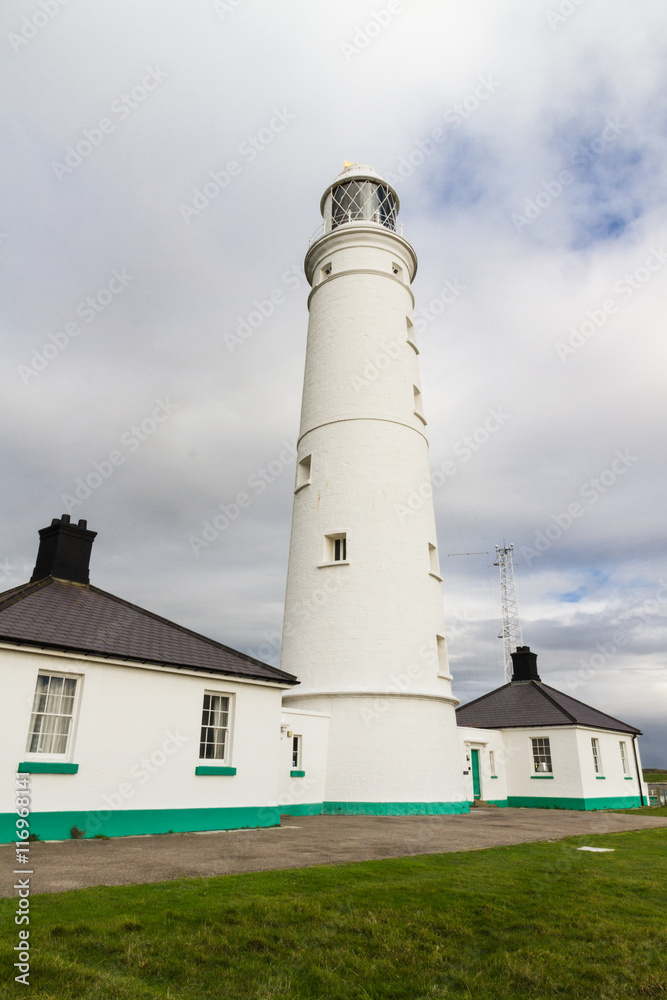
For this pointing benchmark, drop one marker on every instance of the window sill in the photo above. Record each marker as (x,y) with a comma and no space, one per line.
(46,767)
(423,419)
(297,774)
(600,777)
(628,778)
(436,576)
(302,486)
(215,770)
(338,562)
(494,777)
(541,777)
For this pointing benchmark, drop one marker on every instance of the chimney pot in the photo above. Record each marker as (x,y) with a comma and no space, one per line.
(524,664)
(64,551)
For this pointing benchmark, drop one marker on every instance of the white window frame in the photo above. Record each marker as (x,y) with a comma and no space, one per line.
(297,751)
(303,470)
(624,756)
(597,758)
(542,760)
(227,729)
(335,543)
(72,716)
(492,763)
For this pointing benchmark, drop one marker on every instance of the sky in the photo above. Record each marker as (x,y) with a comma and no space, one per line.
(162,174)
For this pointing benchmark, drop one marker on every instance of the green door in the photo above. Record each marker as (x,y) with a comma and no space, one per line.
(474,756)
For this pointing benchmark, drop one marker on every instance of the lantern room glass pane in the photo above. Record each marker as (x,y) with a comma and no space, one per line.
(362,201)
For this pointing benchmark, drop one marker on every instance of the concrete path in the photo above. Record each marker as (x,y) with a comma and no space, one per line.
(299,842)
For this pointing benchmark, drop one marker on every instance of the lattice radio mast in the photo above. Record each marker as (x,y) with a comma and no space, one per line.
(511,630)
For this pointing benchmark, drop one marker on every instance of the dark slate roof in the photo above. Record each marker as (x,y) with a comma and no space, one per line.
(532,703)
(55,614)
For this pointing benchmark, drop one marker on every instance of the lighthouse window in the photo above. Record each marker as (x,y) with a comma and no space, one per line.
(326,270)
(434,568)
(419,409)
(335,548)
(398,271)
(412,338)
(303,472)
(443,665)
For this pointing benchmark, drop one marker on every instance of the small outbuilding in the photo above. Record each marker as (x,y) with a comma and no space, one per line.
(121,722)
(527,744)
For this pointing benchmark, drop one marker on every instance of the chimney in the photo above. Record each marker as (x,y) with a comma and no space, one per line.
(524,665)
(64,551)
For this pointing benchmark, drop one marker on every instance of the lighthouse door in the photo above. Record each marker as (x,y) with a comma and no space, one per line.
(476,787)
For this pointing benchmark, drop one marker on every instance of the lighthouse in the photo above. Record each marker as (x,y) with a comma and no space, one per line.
(364,620)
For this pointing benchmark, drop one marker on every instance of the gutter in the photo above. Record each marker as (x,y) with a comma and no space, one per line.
(639,777)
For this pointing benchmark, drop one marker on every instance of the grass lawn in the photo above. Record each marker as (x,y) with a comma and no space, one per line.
(655,776)
(529,921)
(645,810)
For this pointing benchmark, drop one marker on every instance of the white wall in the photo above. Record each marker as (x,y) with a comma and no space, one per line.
(296,793)
(612,782)
(485,740)
(136,737)
(566,780)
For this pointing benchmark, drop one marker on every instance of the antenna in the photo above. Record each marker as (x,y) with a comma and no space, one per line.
(511,630)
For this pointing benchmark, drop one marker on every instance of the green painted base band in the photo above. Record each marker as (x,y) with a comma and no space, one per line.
(303,809)
(205,769)
(130,822)
(297,774)
(501,803)
(46,767)
(395,808)
(547,802)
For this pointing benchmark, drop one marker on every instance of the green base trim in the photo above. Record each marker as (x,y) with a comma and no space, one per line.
(545,802)
(541,777)
(303,809)
(297,774)
(395,808)
(46,767)
(501,803)
(202,769)
(131,822)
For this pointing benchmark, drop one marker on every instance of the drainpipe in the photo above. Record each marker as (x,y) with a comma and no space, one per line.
(639,777)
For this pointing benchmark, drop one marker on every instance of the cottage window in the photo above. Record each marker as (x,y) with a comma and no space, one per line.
(597,762)
(624,757)
(214,739)
(542,755)
(52,714)
(296,752)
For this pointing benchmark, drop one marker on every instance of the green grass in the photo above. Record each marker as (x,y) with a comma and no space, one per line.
(645,810)
(532,921)
(655,775)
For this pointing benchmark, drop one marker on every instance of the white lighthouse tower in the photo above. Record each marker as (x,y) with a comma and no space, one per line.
(364,622)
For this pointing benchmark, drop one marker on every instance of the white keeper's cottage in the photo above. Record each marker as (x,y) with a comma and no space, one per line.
(127,723)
